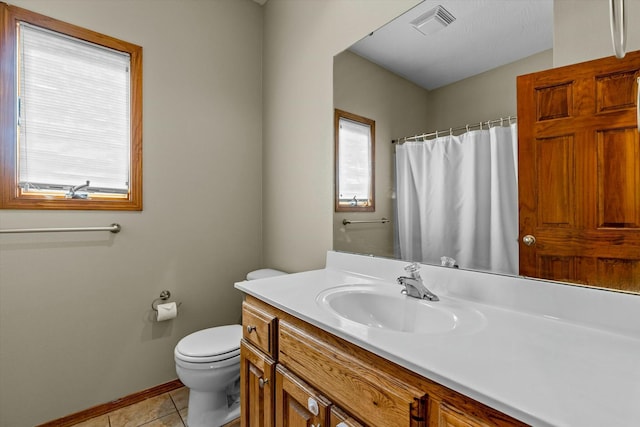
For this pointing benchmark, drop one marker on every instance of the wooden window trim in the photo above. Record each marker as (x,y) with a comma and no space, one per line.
(10,194)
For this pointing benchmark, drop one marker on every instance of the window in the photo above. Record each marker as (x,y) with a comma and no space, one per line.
(71,119)
(355,160)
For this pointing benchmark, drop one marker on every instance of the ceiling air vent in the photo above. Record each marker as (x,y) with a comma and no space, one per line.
(432,21)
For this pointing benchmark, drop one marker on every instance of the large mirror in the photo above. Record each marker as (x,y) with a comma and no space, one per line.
(442,66)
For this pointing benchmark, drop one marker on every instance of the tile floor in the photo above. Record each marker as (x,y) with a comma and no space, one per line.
(166,410)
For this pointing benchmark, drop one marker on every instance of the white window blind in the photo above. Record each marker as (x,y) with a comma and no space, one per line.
(74,113)
(354,160)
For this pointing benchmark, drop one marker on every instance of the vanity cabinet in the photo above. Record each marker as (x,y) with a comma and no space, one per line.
(316,378)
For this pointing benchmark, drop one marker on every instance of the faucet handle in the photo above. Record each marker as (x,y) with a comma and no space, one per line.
(413,269)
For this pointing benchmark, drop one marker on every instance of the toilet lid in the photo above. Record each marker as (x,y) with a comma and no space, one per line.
(210,345)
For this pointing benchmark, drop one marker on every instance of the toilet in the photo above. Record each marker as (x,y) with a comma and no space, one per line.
(208,363)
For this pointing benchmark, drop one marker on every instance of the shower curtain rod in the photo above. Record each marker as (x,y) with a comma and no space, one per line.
(450,131)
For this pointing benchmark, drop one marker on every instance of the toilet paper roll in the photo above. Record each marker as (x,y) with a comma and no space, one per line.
(167,311)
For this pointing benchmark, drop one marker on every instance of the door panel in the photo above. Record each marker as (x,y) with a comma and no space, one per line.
(557,202)
(297,404)
(579,173)
(618,178)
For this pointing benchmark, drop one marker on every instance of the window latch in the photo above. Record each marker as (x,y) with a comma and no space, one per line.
(72,191)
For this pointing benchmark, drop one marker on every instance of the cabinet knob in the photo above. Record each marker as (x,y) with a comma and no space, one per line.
(312,406)
(529,240)
(250,328)
(263,381)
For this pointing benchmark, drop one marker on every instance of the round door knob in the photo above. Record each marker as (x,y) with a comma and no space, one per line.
(250,328)
(529,240)
(262,382)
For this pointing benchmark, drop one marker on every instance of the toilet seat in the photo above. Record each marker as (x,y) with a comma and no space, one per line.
(210,345)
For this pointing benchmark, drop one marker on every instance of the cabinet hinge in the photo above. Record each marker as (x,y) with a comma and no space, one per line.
(418,411)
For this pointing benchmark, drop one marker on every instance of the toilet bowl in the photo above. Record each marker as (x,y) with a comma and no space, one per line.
(208,363)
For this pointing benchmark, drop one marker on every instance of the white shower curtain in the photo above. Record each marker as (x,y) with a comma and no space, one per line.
(457,197)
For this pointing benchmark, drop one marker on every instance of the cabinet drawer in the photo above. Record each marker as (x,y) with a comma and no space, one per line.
(377,397)
(259,328)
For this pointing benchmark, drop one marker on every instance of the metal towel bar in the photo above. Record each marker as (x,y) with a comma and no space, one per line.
(372,221)
(114,228)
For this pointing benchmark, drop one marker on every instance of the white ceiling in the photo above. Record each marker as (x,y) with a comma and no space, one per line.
(486,34)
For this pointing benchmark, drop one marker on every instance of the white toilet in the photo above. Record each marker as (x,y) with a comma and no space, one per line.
(208,363)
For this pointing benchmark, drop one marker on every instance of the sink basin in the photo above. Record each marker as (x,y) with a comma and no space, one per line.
(385,308)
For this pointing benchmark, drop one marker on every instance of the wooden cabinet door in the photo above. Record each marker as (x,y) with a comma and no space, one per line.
(452,418)
(579,173)
(297,404)
(339,419)
(256,387)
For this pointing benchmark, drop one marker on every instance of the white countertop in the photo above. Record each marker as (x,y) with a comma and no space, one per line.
(546,354)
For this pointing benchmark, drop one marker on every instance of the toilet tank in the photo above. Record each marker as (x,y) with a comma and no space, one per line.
(263,273)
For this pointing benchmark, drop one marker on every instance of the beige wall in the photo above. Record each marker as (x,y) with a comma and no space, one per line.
(300,40)
(74,308)
(582,32)
(487,96)
(399,108)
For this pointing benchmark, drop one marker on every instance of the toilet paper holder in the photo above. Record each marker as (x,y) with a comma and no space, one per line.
(164,295)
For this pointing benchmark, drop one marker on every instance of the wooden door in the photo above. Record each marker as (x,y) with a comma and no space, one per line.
(256,387)
(297,404)
(579,173)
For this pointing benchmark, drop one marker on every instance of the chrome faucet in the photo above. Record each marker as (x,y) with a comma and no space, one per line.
(413,285)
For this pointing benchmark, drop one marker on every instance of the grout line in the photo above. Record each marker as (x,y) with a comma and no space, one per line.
(175,405)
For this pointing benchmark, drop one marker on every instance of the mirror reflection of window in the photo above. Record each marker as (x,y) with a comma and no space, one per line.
(355,153)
